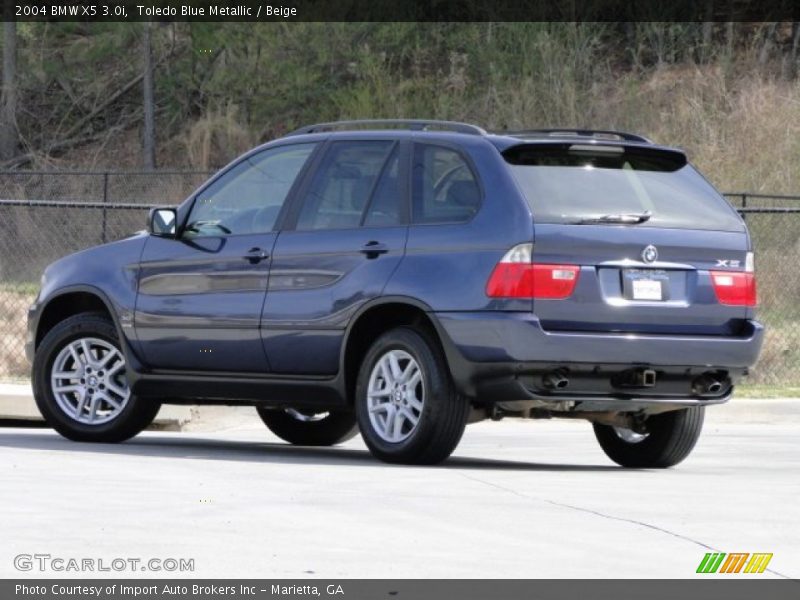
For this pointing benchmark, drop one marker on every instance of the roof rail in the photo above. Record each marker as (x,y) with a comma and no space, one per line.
(596,133)
(411,124)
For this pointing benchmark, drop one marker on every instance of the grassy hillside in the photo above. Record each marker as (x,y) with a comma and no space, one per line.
(728,93)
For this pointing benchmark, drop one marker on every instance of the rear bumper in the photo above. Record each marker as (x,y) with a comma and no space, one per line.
(497,356)
(498,337)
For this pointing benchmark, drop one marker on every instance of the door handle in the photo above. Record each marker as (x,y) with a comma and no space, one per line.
(374,249)
(255,256)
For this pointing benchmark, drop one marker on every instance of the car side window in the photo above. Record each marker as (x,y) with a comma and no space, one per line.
(342,185)
(248,198)
(445,190)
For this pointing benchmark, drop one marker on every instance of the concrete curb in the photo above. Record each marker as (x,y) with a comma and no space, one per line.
(17,404)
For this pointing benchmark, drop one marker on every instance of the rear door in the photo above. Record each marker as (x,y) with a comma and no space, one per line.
(342,242)
(200,296)
(648,232)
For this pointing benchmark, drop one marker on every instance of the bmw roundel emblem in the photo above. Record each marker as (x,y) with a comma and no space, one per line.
(650,254)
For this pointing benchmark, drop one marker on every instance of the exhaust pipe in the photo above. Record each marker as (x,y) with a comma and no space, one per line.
(708,383)
(555,380)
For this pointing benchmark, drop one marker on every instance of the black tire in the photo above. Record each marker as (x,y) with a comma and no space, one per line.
(135,415)
(444,412)
(670,438)
(334,428)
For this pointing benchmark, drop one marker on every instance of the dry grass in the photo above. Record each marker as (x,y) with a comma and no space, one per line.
(743,133)
(214,139)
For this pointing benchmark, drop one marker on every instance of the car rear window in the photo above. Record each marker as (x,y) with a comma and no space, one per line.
(574,183)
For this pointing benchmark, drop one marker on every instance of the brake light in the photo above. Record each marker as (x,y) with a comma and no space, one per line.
(735,288)
(515,276)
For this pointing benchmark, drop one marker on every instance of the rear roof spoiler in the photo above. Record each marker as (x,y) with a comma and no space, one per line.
(526,150)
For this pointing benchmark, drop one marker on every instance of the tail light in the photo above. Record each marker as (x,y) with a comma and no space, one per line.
(515,276)
(736,288)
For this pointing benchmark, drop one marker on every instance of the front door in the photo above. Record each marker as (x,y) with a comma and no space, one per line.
(200,296)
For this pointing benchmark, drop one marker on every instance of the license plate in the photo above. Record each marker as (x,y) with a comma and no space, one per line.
(646,289)
(649,285)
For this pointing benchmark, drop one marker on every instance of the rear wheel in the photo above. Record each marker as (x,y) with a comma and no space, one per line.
(307,428)
(666,440)
(80,382)
(408,409)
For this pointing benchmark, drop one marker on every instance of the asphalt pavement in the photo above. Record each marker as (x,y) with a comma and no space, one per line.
(519,499)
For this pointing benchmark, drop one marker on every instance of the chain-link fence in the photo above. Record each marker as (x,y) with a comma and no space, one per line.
(774,223)
(44,216)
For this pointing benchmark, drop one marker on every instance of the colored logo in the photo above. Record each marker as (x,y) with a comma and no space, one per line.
(736,562)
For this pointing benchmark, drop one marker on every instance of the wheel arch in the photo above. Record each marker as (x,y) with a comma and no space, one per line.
(374,319)
(70,301)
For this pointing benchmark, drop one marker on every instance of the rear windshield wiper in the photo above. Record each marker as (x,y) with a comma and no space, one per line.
(624,218)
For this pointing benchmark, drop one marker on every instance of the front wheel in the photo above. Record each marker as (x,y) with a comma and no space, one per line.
(80,382)
(408,409)
(666,439)
(307,428)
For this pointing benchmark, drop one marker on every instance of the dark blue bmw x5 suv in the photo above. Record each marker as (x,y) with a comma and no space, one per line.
(405,278)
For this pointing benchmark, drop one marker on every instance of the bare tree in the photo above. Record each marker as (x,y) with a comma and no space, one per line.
(149,135)
(793,51)
(767,44)
(8,111)
(707,32)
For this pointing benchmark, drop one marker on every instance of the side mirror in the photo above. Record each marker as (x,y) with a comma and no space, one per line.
(162,222)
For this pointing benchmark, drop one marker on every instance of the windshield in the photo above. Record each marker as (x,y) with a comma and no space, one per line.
(647,187)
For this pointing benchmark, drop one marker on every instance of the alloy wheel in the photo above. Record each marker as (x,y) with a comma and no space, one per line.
(88,381)
(395,396)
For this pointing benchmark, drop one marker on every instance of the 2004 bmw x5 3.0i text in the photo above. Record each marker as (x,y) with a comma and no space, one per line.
(405,278)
